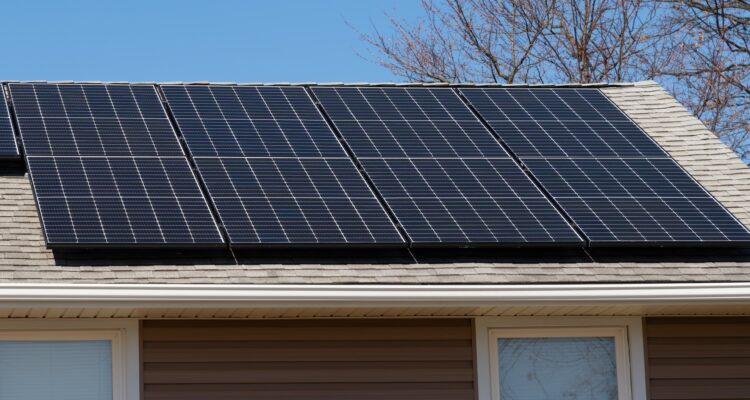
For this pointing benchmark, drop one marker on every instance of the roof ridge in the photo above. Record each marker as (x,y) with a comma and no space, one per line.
(374,84)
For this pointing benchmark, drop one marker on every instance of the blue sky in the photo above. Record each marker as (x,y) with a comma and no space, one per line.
(219,40)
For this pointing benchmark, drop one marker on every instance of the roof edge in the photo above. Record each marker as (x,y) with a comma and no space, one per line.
(201,296)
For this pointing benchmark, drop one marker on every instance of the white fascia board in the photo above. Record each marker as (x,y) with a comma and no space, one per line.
(152,295)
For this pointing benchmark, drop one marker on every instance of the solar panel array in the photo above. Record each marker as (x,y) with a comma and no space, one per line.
(360,168)
(613,181)
(8,145)
(107,168)
(444,176)
(275,171)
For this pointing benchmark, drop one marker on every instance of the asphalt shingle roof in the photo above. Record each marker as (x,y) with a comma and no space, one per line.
(24,257)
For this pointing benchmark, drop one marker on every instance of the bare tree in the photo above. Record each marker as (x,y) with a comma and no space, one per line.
(697,49)
(522,40)
(465,41)
(711,74)
(600,40)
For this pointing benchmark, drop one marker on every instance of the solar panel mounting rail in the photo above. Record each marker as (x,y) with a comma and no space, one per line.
(9,149)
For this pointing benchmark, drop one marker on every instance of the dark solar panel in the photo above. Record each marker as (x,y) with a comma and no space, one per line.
(8,146)
(399,122)
(297,200)
(445,177)
(275,170)
(107,167)
(92,120)
(608,175)
(539,123)
(234,121)
(120,200)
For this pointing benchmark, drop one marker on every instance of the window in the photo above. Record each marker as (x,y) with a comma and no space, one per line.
(60,365)
(580,363)
(569,346)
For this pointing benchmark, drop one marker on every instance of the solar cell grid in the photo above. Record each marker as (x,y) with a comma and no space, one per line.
(447,180)
(274,169)
(125,200)
(295,200)
(107,167)
(560,123)
(479,201)
(92,120)
(379,122)
(248,121)
(609,176)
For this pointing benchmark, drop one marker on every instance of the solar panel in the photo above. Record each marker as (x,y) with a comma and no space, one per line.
(609,176)
(107,168)
(274,169)
(120,200)
(444,176)
(8,146)
(92,120)
(297,200)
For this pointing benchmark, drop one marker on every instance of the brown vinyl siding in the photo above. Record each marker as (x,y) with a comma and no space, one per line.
(418,359)
(698,358)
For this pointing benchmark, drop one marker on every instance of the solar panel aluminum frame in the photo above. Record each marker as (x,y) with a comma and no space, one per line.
(128,246)
(401,244)
(13,128)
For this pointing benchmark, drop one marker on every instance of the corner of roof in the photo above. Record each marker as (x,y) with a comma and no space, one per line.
(648,82)
(689,142)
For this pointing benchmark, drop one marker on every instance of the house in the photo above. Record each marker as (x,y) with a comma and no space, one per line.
(87,317)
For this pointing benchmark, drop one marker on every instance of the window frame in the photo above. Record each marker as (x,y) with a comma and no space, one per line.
(122,334)
(627,332)
(617,333)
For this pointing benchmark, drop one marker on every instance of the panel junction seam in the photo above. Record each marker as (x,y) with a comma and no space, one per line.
(193,166)
(360,169)
(523,168)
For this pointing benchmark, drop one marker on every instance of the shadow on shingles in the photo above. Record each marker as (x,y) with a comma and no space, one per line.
(12,168)
(689,255)
(351,256)
(145,257)
(386,256)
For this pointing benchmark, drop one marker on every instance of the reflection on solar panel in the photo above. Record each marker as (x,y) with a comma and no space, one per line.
(440,171)
(107,167)
(274,169)
(614,182)
(8,146)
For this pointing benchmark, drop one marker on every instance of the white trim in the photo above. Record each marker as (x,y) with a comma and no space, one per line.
(619,334)
(152,295)
(122,333)
(632,345)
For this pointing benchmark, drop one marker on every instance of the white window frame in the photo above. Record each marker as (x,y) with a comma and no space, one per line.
(123,334)
(627,332)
